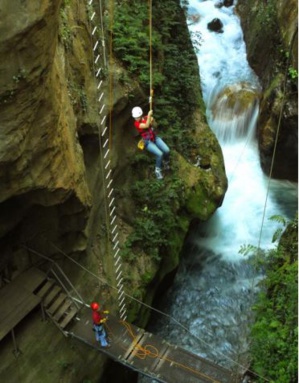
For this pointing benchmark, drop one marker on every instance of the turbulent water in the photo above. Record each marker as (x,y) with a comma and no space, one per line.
(215,285)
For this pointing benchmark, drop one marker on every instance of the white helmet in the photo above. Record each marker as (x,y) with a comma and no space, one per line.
(137,112)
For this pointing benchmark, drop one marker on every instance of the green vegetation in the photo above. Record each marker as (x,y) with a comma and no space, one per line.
(65,32)
(64,364)
(157,219)
(267,14)
(131,39)
(14,85)
(293,73)
(22,74)
(175,69)
(274,348)
(176,96)
(266,24)
(77,96)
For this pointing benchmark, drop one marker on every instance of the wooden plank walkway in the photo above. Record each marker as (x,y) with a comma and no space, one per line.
(17,299)
(151,355)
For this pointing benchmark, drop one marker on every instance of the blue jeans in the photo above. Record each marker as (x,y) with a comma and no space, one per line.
(101,335)
(159,149)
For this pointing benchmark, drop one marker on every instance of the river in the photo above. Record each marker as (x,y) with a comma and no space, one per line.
(215,285)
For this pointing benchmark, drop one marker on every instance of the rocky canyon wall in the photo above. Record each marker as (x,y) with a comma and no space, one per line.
(271,35)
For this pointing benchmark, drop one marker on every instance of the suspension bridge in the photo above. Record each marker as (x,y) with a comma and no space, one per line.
(131,346)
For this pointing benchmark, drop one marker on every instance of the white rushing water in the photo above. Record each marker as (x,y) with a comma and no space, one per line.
(250,199)
(215,287)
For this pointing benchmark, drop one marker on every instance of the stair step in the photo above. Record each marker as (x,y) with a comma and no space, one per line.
(69,316)
(62,310)
(52,295)
(57,303)
(45,288)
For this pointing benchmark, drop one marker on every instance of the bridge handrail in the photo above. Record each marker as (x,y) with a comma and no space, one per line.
(59,279)
(65,287)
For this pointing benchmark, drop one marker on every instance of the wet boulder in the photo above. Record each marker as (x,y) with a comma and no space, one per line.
(228,3)
(215,25)
(224,3)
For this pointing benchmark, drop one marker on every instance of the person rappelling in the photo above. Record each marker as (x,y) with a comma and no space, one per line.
(144,124)
(151,141)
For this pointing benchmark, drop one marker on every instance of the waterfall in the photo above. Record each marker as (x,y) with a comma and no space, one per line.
(231,92)
(215,286)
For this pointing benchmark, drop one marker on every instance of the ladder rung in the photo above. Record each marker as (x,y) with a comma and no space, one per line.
(62,310)
(69,316)
(45,289)
(57,303)
(52,294)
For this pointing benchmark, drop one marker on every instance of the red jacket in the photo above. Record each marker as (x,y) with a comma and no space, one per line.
(96,317)
(146,134)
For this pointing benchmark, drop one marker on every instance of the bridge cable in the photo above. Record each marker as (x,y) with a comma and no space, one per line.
(169,317)
(273,157)
(277,130)
(275,146)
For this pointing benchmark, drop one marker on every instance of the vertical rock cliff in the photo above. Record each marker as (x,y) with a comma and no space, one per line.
(271,34)
(42,168)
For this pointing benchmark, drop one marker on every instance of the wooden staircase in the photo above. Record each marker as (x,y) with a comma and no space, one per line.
(59,307)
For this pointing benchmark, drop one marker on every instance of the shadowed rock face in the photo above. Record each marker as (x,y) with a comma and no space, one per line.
(278,130)
(38,146)
(273,54)
(41,161)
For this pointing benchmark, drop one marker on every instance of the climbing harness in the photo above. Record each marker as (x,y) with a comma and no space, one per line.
(141,144)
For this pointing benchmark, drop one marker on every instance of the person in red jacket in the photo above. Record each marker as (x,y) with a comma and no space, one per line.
(153,143)
(98,324)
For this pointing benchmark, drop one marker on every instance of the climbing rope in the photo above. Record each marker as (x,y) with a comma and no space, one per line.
(151,92)
(143,351)
(105,141)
